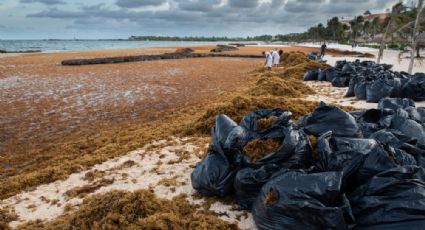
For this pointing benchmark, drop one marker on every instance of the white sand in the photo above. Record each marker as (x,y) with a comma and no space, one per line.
(390,57)
(48,201)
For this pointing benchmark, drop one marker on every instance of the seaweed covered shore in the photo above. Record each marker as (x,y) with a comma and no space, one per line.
(280,88)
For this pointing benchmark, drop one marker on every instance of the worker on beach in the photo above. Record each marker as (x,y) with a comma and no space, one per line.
(269,60)
(276,58)
(280,53)
(323,50)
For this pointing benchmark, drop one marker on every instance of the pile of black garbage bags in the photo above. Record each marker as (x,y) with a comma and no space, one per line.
(370,81)
(366,172)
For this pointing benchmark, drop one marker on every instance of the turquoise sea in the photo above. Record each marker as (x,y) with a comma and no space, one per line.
(60,45)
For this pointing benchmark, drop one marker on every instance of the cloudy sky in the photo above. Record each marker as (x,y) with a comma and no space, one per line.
(39,19)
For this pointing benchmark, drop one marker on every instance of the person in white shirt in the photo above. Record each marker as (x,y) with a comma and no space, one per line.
(269,60)
(276,57)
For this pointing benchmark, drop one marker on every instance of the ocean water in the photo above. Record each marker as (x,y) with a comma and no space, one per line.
(60,45)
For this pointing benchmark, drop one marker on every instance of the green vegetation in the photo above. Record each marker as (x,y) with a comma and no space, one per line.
(200,39)
(365,28)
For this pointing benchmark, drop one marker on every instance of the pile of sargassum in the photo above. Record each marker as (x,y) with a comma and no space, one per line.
(365,172)
(370,81)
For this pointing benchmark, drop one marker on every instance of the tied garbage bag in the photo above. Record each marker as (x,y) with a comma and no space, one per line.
(223,127)
(360,90)
(359,159)
(311,75)
(421,111)
(414,114)
(249,181)
(322,75)
(408,127)
(377,90)
(296,200)
(331,74)
(396,84)
(215,174)
(329,118)
(351,86)
(348,68)
(396,195)
(345,159)
(395,103)
(415,88)
(341,81)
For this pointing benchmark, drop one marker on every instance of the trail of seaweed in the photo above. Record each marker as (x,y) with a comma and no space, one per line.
(136,210)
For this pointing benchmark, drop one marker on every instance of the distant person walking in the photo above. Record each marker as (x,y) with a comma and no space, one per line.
(276,58)
(323,50)
(269,60)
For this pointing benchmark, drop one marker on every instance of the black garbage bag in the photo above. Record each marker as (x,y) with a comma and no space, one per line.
(371,116)
(341,81)
(396,195)
(296,200)
(331,157)
(224,125)
(387,66)
(322,75)
(403,145)
(414,88)
(396,84)
(386,137)
(352,85)
(395,103)
(249,121)
(359,159)
(408,126)
(311,75)
(414,114)
(294,153)
(214,175)
(249,181)
(368,129)
(360,90)
(377,90)
(331,74)
(416,152)
(237,138)
(340,64)
(421,111)
(329,118)
(348,68)
(400,157)
(295,150)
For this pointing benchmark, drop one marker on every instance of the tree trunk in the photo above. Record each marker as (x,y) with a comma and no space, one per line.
(414,36)
(381,48)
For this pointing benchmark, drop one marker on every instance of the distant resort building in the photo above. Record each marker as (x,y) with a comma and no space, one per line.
(381,17)
(367,16)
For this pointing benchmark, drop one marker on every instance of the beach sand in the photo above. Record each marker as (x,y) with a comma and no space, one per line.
(43,103)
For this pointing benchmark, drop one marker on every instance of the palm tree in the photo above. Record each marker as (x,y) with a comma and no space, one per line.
(366,28)
(374,25)
(356,24)
(397,8)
